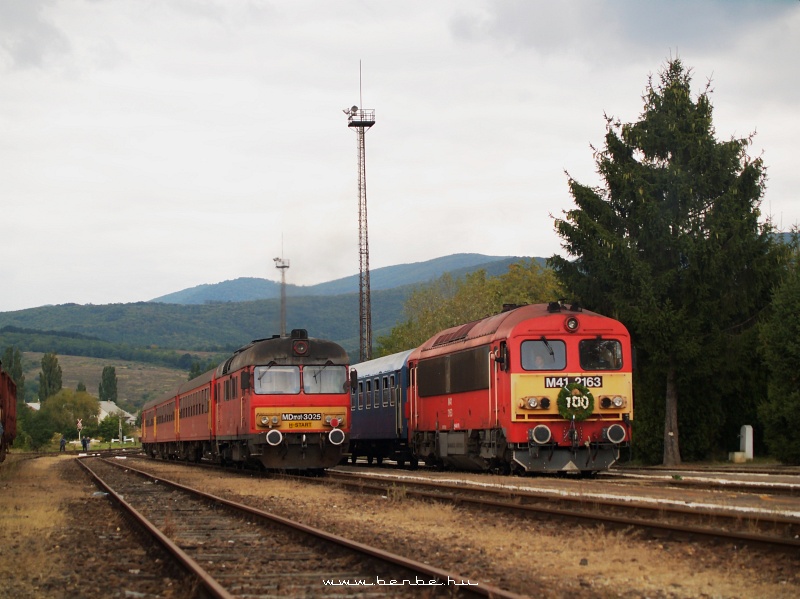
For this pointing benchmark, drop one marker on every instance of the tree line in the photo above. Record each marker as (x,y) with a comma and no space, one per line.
(76,344)
(60,410)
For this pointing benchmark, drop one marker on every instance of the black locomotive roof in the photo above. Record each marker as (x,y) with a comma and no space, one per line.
(280,350)
(261,352)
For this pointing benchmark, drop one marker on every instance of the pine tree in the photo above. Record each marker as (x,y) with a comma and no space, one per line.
(672,246)
(780,412)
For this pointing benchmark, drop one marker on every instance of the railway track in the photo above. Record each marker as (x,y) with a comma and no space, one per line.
(774,483)
(233,550)
(706,518)
(710,521)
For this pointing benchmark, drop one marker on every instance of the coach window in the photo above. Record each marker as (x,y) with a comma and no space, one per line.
(360,395)
(543,354)
(393,385)
(376,394)
(277,380)
(600,354)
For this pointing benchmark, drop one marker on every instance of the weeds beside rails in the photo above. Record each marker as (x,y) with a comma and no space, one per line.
(396,494)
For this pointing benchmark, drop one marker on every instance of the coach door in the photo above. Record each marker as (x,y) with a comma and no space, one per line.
(395,403)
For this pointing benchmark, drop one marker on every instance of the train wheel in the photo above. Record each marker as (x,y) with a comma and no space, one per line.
(502,468)
(517,470)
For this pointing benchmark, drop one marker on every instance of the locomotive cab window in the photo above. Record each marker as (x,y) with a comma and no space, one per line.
(543,354)
(325,379)
(600,354)
(277,380)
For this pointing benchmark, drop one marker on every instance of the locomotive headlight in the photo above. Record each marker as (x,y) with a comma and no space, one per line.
(274,420)
(300,347)
(618,402)
(533,402)
(571,324)
(265,420)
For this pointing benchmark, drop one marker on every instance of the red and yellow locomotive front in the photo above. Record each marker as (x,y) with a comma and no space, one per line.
(281,402)
(539,388)
(284,402)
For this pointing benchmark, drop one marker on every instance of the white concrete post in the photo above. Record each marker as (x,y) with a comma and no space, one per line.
(746,441)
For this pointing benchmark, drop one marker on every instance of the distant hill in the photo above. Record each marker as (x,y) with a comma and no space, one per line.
(249,289)
(222,325)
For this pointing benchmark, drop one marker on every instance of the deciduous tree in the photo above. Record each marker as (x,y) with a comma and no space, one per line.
(12,364)
(447,302)
(108,384)
(49,377)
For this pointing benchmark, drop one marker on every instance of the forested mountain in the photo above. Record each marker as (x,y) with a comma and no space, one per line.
(248,288)
(221,327)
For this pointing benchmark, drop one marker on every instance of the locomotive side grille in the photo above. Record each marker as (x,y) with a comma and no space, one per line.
(456,335)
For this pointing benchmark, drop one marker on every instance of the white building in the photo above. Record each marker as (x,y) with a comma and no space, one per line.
(109,408)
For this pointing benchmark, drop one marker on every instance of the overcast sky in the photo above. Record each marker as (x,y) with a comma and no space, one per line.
(148,146)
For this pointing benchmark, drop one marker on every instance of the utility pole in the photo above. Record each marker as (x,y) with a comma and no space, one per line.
(282,265)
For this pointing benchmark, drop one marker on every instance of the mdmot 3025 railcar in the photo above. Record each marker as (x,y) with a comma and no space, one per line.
(279,403)
(537,388)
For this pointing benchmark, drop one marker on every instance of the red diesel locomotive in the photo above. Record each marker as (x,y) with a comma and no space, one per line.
(8,412)
(278,403)
(537,388)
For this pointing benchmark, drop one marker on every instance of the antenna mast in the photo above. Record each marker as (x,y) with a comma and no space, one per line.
(361,120)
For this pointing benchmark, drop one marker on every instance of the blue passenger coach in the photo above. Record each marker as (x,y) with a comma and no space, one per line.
(378,410)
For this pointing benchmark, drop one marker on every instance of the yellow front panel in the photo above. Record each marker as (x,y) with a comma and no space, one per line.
(298,419)
(608,384)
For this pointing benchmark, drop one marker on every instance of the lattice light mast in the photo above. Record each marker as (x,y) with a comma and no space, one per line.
(282,264)
(361,121)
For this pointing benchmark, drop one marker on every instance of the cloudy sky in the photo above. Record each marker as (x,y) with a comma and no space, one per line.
(147,146)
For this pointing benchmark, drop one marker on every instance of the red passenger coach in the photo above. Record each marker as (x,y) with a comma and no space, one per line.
(8,413)
(280,403)
(537,388)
